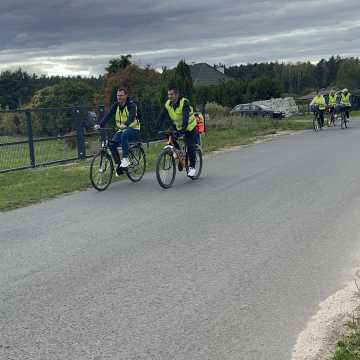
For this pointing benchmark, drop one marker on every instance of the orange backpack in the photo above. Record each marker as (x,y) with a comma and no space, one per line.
(200,123)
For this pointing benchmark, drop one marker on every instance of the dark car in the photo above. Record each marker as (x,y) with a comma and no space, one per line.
(256,110)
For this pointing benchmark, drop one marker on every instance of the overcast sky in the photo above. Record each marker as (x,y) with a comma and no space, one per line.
(80,36)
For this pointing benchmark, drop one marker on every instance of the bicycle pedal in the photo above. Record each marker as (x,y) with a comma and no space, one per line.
(119,171)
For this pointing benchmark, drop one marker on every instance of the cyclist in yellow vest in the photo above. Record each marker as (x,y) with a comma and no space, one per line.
(318,104)
(345,101)
(127,121)
(332,103)
(179,111)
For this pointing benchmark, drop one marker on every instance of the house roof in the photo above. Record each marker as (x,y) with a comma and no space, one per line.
(204,74)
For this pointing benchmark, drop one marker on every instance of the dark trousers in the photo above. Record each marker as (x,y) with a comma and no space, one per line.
(346,109)
(190,141)
(321,116)
(122,138)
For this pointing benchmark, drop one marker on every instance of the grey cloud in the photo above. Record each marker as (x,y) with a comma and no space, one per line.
(235,31)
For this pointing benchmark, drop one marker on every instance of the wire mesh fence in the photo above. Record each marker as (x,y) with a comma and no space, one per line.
(34,137)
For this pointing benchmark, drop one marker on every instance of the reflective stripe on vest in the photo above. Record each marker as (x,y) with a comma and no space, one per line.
(176,115)
(121,117)
(345,99)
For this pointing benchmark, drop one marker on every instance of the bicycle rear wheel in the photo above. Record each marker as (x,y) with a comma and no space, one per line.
(137,166)
(343,124)
(332,119)
(328,120)
(198,164)
(165,168)
(101,170)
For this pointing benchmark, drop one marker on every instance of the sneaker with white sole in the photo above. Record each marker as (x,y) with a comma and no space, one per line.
(125,163)
(191,172)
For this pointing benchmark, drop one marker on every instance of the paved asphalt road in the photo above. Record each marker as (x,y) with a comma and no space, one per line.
(231,266)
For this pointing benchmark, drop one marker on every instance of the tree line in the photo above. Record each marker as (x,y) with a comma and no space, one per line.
(301,77)
(250,82)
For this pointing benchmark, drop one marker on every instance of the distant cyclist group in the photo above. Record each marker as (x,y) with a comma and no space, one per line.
(336,103)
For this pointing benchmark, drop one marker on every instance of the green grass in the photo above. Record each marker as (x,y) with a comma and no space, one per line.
(349,347)
(21,188)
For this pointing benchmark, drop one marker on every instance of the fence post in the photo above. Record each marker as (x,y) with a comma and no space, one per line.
(30,138)
(80,136)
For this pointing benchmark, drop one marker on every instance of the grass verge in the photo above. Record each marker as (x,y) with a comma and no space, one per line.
(349,347)
(21,188)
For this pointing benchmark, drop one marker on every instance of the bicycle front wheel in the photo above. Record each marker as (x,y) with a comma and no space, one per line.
(343,121)
(101,170)
(165,168)
(316,126)
(137,166)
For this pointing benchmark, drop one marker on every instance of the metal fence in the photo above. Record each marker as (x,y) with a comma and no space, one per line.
(35,137)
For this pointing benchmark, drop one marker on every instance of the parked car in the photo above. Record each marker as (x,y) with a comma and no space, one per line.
(256,110)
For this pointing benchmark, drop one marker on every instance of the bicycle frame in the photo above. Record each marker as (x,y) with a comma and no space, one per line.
(105,141)
(178,153)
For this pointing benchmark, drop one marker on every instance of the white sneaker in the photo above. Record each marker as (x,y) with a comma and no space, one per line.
(125,163)
(192,171)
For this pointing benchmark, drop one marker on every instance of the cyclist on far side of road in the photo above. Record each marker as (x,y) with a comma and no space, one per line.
(318,104)
(332,104)
(345,102)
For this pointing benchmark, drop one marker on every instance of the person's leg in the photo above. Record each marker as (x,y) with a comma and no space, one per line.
(321,113)
(113,146)
(190,141)
(128,135)
(197,138)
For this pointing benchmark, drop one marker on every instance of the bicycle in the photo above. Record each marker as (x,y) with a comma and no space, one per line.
(344,119)
(331,117)
(316,119)
(102,164)
(174,152)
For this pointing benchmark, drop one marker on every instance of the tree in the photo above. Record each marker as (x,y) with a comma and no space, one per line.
(142,84)
(118,64)
(16,88)
(182,80)
(68,93)
(333,66)
(349,73)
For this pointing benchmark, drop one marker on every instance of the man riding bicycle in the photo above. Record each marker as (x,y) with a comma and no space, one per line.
(128,124)
(179,111)
(318,104)
(345,102)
